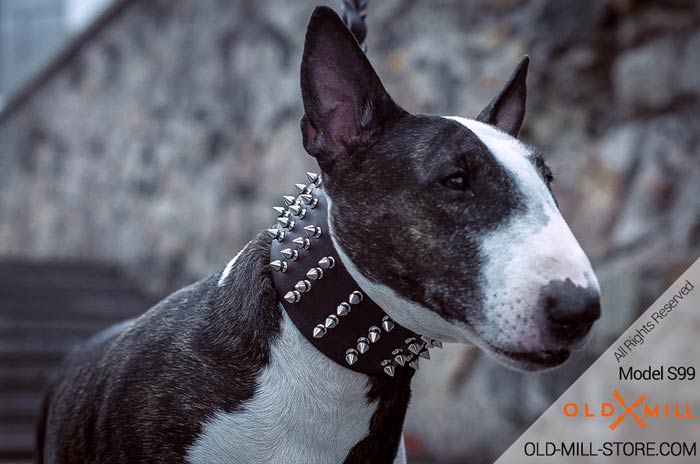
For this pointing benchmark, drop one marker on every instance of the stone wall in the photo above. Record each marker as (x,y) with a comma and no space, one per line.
(162,143)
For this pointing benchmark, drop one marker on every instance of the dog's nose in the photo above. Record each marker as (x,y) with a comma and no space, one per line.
(571,310)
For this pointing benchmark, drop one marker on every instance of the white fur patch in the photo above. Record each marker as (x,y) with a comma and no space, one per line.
(306,409)
(229,266)
(526,252)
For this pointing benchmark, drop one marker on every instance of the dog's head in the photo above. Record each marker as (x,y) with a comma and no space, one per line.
(448,223)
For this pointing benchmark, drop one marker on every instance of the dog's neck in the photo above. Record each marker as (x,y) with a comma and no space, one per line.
(361,416)
(305,404)
(324,301)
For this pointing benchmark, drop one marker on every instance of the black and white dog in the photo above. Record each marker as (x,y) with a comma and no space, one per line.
(448,224)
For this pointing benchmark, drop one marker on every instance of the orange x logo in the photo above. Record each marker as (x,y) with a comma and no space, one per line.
(628,410)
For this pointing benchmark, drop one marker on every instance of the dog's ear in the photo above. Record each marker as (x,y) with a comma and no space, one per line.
(345,103)
(507,110)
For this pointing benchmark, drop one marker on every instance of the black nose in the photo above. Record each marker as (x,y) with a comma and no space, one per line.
(571,310)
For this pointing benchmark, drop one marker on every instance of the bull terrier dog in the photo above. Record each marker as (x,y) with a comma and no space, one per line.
(419,229)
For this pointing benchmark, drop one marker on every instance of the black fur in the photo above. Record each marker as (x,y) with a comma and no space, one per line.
(139,393)
(386,425)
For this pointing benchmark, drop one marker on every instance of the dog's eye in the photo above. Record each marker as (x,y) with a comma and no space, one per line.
(457,181)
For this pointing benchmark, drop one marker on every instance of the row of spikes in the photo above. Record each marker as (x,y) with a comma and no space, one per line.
(315,273)
(297,208)
(342,310)
(416,349)
(304,285)
(285,219)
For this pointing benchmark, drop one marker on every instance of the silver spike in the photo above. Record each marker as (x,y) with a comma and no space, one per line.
(303,286)
(289,200)
(290,254)
(387,324)
(327,263)
(315,273)
(415,348)
(355,297)
(331,321)
(278,265)
(388,367)
(343,309)
(425,354)
(431,342)
(302,242)
(298,211)
(279,210)
(312,231)
(313,177)
(301,188)
(362,345)
(276,234)
(286,222)
(374,334)
(399,357)
(414,363)
(292,296)
(309,200)
(351,356)
(319,331)
(413,345)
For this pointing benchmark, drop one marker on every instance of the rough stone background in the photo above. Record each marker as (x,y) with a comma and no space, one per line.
(162,143)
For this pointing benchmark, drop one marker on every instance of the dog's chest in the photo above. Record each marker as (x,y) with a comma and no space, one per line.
(306,409)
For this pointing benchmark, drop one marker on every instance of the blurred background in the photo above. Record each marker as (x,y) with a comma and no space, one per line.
(144,142)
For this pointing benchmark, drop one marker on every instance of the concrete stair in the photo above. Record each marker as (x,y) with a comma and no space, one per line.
(45,310)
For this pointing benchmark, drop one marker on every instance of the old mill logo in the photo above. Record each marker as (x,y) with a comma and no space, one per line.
(640,410)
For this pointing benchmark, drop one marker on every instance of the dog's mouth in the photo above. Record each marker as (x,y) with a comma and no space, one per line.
(531,360)
(534,360)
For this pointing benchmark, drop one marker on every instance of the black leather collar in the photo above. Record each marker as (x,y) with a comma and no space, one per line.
(325,302)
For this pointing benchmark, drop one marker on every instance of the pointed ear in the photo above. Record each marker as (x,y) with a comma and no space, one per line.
(507,110)
(345,104)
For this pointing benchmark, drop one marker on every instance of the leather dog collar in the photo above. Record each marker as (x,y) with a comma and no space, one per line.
(324,301)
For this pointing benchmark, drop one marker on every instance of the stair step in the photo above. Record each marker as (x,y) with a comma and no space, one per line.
(13,289)
(25,379)
(61,276)
(46,309)
(12,267)
(16,446)
(21,347)
(33,356)
(19,407)
(91,307)
(43,333)
(10,326)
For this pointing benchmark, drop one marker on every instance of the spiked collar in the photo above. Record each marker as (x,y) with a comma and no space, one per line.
(324,301)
